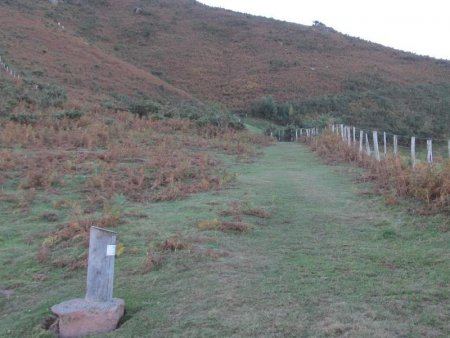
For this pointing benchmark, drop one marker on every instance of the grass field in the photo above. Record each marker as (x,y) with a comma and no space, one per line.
(319,256)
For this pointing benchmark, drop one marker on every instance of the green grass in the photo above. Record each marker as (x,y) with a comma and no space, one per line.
(331,261)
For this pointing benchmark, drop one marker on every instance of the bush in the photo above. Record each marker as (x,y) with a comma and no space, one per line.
(24,118)
(52,96)
(265,108)
(71,114)
(144,108)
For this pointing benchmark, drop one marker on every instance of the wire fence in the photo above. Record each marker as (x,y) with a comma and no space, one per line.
(8,69)
(378,144)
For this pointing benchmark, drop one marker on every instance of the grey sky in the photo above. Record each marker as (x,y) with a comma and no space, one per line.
(417,26)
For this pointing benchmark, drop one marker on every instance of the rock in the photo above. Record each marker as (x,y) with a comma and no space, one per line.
(138,10)
(80,317)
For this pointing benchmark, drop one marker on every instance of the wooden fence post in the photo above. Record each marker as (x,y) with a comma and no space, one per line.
(413,151)
(430,151)
(368,151)
(342,132)
(395,145)
(385,144)
(349,137)
(354,135)
(361,136)
(375,145)
(100,275)
(296,135)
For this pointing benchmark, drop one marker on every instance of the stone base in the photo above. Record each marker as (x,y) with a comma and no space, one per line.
(80,317)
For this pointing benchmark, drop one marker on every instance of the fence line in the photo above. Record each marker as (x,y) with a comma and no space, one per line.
(348,135)
(8,69)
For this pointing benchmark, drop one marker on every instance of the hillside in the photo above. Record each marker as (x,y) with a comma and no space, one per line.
(183,49)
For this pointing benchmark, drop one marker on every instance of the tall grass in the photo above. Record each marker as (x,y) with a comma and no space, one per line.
(393,176)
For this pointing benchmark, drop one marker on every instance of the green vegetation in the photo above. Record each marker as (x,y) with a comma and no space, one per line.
(30,93)
(421,110)
(324,259)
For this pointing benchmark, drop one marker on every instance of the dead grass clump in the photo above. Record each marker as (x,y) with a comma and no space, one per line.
(213,224)
(234,227)
(43,255)
(224,226)
(390,199)
(49,217)
(257,212)
(152,261)
(236,210)
(215,254)
(175,244)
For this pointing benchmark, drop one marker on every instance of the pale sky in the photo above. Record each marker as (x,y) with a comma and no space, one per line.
(418,26)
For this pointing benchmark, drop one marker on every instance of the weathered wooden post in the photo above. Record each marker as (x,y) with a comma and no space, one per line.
(98,312)
(385,144)
(395,145)
(100,274)
(349,137)
(354,135)
(361,136)
(342,132)
(413,151)
(430,151)
(375,145)
(367,144)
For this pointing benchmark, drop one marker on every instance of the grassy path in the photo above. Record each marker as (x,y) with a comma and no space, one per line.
(329,262)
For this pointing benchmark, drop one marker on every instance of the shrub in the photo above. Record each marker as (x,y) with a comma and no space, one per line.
(265,108)
(144,108)
(24,118)
(71,114)
(52,96)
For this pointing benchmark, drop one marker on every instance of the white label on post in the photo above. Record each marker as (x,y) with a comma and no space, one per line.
(110,250)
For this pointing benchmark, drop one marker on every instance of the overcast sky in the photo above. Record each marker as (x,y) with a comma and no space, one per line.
(421,27)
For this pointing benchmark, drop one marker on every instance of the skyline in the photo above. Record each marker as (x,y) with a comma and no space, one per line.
(414,26)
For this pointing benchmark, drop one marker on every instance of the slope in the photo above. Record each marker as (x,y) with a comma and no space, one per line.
(234,58)
(41,49)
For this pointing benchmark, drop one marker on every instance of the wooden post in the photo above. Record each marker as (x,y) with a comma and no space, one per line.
(332,128)
(100,275)
(354,135)
(367,145)
(349,137)
(296,135)
(375,145)
(361,136)
(342,132)
(395,145)
(413,151)
(385,144)
(430,151)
